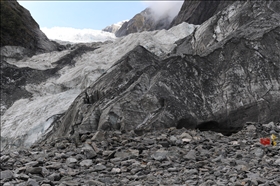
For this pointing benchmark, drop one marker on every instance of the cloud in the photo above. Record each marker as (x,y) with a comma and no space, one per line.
(163,8)
(77,35)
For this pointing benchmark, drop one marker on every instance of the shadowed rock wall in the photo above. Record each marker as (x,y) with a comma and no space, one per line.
(18,28)
(196,12)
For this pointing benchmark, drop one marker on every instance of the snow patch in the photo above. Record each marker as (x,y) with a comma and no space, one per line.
(114,27)
(119,24)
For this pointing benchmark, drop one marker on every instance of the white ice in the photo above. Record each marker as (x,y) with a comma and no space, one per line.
(26,114)
(77,35)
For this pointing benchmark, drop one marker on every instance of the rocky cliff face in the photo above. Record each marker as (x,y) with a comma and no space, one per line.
(144,21)
(196,12)
(193,12)
(225,74)
(18,28)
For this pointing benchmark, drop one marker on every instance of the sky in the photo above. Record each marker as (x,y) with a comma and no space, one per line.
(55,17)
(82,14)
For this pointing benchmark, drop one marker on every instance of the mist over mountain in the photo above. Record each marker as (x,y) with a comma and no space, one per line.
(158,16)
(160,10)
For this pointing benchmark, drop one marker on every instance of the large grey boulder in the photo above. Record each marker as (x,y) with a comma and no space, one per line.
(224,75)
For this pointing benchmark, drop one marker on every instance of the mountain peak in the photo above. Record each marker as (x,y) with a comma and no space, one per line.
(144,21)
(114,27)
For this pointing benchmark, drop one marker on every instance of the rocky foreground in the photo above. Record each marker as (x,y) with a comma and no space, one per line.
(165,157)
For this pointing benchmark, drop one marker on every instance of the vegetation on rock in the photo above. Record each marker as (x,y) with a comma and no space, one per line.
(15,26)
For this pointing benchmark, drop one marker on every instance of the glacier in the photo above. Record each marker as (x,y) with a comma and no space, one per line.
(28,119)
(74,35)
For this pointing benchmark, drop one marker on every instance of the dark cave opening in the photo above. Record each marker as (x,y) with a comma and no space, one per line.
(211,125)
(216,127)
(186,123)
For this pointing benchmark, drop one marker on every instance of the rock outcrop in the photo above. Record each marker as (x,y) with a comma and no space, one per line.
(197,12)
(18,28)
(225,74)
(144,21)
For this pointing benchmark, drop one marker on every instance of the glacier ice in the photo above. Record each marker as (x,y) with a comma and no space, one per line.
(27,119)
(40,62)
(77,35)
(25,115)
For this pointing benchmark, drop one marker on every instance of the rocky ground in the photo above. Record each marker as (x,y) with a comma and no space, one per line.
(166,157)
